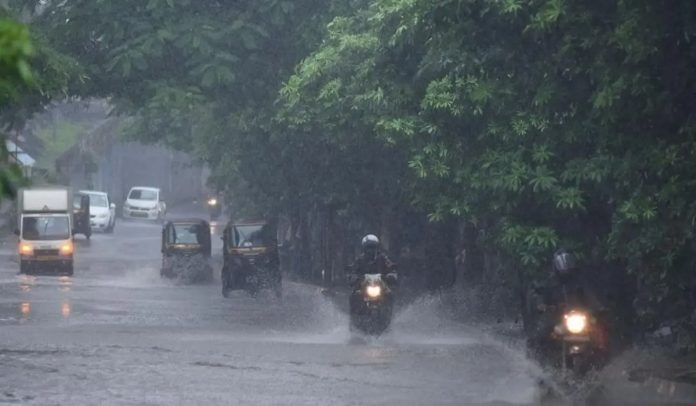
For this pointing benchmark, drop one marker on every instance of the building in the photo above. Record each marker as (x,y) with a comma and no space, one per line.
(18,156)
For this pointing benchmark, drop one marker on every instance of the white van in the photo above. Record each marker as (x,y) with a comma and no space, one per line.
(44,228)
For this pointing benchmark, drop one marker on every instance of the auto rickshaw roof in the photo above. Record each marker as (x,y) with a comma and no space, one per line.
(187,221)
(249,223)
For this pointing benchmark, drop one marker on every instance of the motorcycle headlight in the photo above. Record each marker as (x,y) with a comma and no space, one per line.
(373,291)
(212,202)
(575,322)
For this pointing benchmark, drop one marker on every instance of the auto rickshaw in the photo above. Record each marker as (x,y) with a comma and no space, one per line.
(186,250)
(81,220)
(250,255)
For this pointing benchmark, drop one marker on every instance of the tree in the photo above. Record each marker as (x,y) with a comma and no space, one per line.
(15,51)
(544,123)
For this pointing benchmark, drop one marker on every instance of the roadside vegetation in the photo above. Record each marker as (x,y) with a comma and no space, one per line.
(482,132)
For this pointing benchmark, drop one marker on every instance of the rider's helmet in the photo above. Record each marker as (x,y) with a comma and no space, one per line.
(370,245)
(564,262)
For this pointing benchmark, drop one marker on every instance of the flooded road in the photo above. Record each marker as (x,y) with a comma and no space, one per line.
(116,333)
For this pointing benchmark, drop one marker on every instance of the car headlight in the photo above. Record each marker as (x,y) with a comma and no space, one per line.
(373,291)
(576,322)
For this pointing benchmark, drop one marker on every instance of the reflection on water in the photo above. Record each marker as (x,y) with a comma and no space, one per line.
(25,308)
(26,282)
(65,283)
(65,309)
(215,229)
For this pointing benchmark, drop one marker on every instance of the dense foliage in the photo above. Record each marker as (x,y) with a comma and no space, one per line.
(15,51)
(535,123)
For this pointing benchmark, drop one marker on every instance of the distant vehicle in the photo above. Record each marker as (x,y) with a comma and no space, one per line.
(214,207)
(250,258)
(81,212)
(145,203)
(44,228)
(186,250)
(102,211)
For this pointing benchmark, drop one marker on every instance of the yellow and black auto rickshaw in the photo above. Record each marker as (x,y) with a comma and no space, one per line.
(250,255)
(186,249)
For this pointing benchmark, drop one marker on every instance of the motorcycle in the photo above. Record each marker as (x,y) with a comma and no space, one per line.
(372,302)
(214,208)
(582,342)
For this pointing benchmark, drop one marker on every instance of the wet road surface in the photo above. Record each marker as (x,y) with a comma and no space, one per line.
(116,333)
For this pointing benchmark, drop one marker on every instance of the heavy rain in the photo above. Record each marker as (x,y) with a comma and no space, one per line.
(347,202)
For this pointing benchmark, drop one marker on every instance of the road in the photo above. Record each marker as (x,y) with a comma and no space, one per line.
(116,333)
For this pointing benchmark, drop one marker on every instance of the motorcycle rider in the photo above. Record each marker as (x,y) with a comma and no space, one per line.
(372,260)
(567,287)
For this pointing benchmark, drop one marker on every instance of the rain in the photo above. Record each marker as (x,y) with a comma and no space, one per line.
(347,202)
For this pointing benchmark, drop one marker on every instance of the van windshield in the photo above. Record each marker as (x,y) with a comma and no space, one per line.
(45,228)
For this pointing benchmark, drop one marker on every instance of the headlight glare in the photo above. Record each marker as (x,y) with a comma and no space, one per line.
(26,249)
(66,249)
(575,322)
(373,291)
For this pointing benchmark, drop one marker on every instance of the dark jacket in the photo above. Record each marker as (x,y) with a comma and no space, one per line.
(575,291)
(378,263)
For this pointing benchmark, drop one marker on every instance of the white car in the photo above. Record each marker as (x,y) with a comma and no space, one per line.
(102,212)
(144,203)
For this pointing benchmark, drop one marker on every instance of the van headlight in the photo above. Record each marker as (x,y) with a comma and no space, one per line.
(26,249)
(576,322)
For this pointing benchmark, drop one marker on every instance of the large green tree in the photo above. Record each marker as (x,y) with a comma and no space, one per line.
(538,123)
(15,74)
(544,123)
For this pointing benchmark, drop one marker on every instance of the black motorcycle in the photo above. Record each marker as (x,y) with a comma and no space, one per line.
(578,335)
(372,302)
